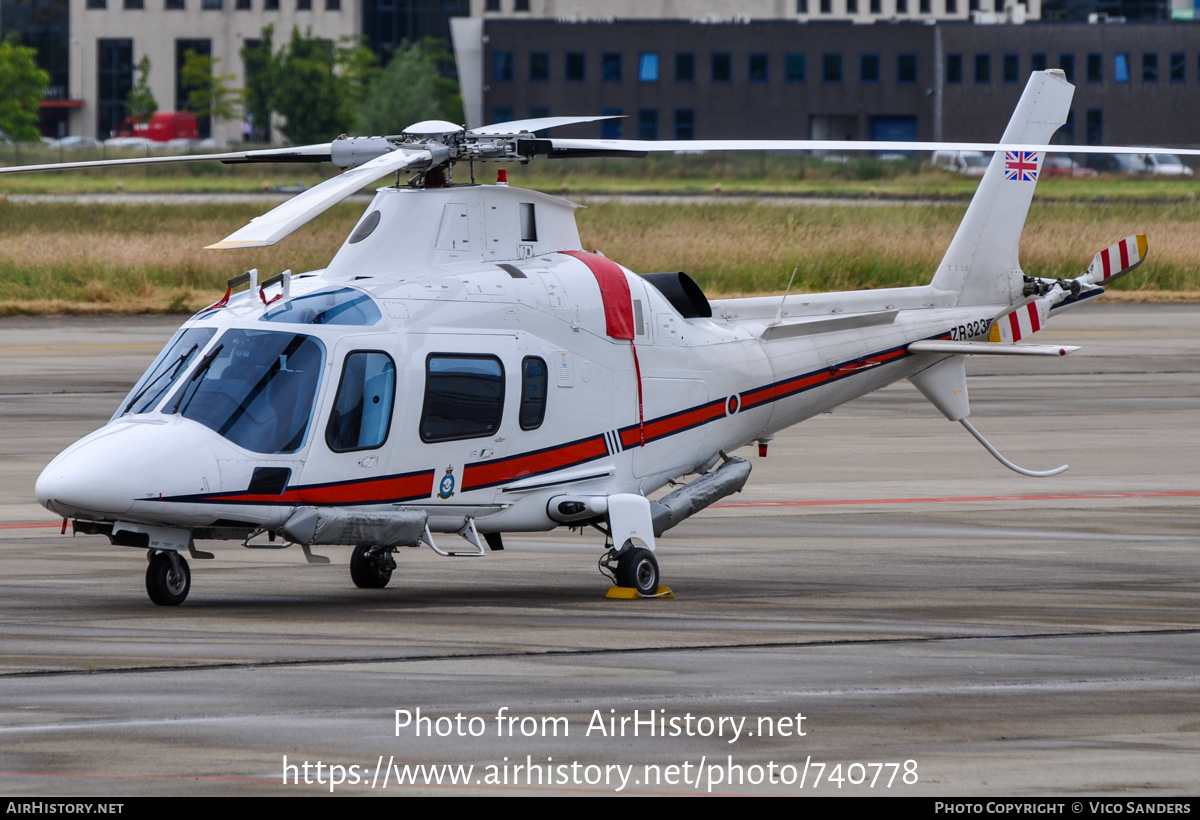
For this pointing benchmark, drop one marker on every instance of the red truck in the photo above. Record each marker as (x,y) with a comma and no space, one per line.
(164,126)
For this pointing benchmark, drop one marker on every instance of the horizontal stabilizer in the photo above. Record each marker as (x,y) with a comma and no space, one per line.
(990,349)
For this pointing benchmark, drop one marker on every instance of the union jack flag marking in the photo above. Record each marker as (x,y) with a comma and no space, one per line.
(1021,166)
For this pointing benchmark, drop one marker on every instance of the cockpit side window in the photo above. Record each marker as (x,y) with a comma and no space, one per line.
(464,397)
(172,362)
(255,388)
(362,410)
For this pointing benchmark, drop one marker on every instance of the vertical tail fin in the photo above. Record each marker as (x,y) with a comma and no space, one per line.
(981,265)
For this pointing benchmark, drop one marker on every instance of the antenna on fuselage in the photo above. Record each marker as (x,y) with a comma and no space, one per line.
(779,313)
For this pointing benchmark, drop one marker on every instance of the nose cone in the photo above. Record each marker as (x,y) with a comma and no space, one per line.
(101,476)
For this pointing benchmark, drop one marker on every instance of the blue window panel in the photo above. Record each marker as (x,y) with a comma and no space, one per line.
(648,68)
(502,66)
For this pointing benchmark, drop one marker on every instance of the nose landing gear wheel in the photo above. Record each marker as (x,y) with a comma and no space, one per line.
(168,579)
(371,567)
(638,568)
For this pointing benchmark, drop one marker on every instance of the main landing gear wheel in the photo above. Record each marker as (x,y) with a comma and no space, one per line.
(371,567)
(168,578)
(638,568)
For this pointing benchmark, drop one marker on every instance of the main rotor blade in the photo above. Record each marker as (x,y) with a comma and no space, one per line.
(299,153)
(537,124)
(278,223)
(580,146)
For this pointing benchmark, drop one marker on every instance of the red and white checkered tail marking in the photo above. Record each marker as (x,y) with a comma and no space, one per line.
(1025,320)
(1117,260)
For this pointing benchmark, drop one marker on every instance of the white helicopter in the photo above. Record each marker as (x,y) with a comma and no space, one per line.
(463,367)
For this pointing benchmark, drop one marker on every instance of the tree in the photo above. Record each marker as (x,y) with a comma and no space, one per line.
(140,104)
(411,89)
(208,93)
(22,86)
(261,72)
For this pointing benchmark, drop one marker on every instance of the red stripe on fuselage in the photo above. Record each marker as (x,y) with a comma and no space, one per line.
(489,473)
(668,425)
(366,491)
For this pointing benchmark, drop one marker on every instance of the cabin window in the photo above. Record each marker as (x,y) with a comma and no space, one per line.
(362,411)
(534,375)
(172,362)
(464,397)
(256,388)
(343,306)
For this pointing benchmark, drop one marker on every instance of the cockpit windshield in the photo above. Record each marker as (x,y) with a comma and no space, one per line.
(256,388)
(173,361)
(343,306)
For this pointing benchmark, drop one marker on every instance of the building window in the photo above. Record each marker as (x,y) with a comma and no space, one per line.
(1066,134)
(794,67)
(611,129)
(999,6)
(801,6)
(876,6)
(502,113)
(576,64)
(906,68)
(244,5)
(184,49)
(270,5)
(301,5)
(1095,68)
(868,68)
(1095,126)
(610,66)
(539,65)
(685,124)
(174,5)
(493,5)
(685,68)
(134,5)
(831,68)
(951,6)
(901,6)
(722,67)
(1067,63)
(851,6)
(926,7)
(215,5)
(826,6)
(758,68)
(97,4)
(1121,68)
(502,66)
(648,68)
(1150,67)
(1178,66)
(973,5)
(983,68)
(1037,62)
(647,123)
(1012,68)
(521,5)
(114,75)
(954,68)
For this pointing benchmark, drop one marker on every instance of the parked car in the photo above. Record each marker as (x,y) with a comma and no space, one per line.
(971,163)
(1061,165)
(1165,165)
